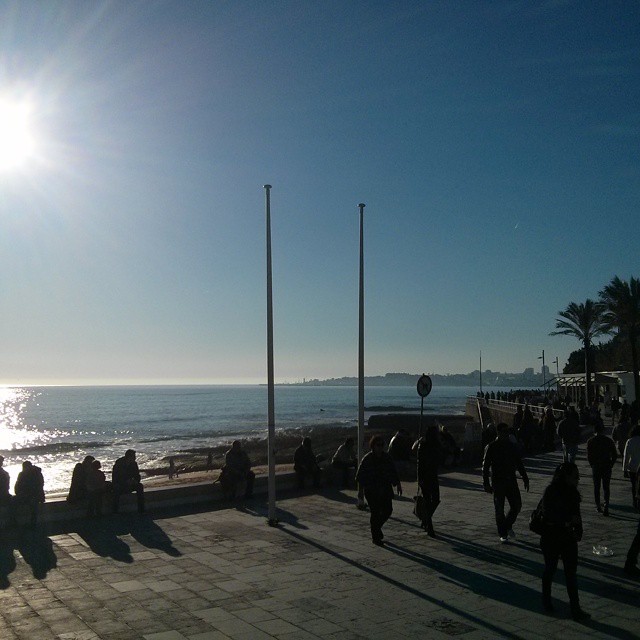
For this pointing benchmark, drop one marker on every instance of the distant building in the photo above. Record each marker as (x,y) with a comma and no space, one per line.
(528,372)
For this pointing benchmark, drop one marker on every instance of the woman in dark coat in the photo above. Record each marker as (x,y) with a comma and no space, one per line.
(377,475)
(562,532)
(429,456)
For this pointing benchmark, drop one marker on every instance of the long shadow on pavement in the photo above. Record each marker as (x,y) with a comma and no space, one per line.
(499,589)
(400,585)
(104,536)
(35,547)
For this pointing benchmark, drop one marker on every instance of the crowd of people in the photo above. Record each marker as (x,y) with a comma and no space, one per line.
(379,473)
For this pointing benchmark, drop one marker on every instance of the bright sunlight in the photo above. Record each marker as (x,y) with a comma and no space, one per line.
(17,143)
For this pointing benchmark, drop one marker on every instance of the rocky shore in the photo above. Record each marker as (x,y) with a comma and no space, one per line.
(191,464)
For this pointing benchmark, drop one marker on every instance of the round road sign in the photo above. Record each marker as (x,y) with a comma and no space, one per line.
(424,385)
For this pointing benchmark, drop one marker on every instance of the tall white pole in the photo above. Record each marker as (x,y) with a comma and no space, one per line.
(271,483)
(361,340)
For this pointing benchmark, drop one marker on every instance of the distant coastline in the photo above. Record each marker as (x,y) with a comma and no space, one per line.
(527,379)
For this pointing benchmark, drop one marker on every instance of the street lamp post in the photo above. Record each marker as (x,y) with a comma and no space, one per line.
(361,340)
(544,380)
(271,482)
(557,374)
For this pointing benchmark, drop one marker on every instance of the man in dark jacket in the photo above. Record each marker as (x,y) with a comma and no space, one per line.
(499,466)
(306,464)
(602,455)
(377,475)
(236,470)
(570,432)
(125,478)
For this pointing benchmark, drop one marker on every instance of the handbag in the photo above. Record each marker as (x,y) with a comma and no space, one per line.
(537,522)
(419,506)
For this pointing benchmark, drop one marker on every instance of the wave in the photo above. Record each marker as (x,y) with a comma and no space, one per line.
(55,447)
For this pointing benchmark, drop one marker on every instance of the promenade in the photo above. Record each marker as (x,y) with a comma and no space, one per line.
(208,574)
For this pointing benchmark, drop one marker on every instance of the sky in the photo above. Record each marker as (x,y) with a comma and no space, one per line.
(495,145)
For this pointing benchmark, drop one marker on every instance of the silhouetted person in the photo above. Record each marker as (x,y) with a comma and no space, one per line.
(97,486)
(125,478)
(237,468)
(631,461)
(400,452)
(449,447)
(377,475)
(78,487)
(549,429)
(5,496)
(602,455)
(429,455)
(172,468)
(499,466)
(631,564)
(569,432)
(527,429)
(305,464)
(621,434)
(29,489)
(344,459)
(563,531)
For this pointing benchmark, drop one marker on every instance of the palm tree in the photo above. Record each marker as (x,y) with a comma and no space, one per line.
(585,322)
(621,300)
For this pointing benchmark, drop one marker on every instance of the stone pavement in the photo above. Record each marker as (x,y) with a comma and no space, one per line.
(223,573)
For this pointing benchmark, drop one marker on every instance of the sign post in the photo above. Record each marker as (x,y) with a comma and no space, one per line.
(424,389)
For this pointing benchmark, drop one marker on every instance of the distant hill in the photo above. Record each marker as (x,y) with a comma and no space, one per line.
(489,379)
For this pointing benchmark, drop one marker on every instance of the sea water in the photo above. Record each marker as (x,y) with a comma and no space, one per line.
(55,427)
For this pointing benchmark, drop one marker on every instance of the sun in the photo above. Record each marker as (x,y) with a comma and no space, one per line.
(17,143)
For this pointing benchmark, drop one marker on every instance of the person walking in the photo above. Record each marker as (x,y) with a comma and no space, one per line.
(429,456)
(500,463)
(377,475)
(549,429)
(631,564)
(631,460)
(569,432)
(561,534)
(602,455)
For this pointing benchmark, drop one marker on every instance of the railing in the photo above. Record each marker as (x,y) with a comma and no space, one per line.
(537,411)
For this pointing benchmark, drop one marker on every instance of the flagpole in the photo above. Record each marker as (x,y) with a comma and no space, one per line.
(271,483)
(361,340)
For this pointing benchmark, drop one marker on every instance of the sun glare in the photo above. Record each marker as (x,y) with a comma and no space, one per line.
(17,143)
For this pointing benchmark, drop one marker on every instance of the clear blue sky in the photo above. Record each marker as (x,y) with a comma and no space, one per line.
(495,144)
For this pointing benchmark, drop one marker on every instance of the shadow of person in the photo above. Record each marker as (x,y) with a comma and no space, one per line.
(103,541)
(149,534)
(7,562)
(37,550)
(283,516)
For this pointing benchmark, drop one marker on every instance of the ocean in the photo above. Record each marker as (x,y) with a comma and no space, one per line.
(55,427)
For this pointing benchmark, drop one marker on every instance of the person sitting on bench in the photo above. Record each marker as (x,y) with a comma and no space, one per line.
(237,468)
(125,478)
